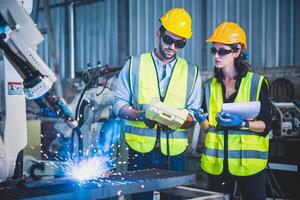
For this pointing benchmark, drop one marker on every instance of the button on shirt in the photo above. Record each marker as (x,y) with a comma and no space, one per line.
(123,93)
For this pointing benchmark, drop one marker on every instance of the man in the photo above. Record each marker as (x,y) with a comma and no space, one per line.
(163,75)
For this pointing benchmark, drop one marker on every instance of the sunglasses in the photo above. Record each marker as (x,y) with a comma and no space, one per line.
(168,40)
(221,52)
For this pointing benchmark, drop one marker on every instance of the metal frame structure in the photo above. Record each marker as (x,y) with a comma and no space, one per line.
(115,185)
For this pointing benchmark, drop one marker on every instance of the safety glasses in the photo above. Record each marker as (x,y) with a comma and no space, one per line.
(221,52)
(168,40)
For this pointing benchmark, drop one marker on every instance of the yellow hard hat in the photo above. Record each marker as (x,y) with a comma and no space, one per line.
(229,33)
(178,21)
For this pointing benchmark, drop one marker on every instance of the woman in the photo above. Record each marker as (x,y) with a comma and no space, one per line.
(236,150)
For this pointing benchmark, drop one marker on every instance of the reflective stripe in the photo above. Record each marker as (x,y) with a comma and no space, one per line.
(135,73)
(236,153)
(192,76)
(214,152)
(175,134)
(213,129)
(240,132)
(152,132)
(140,131)
(254,87)
(248,154)
(207,93)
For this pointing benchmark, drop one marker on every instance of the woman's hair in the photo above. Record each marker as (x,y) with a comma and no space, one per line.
(240,63)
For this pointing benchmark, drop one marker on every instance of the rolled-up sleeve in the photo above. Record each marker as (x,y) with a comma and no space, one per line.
(122,91)
(194,101)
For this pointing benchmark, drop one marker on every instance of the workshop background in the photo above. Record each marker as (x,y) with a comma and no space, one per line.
(84,34)
(109,31)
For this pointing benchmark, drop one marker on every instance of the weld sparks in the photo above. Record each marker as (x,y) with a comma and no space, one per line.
(88,169)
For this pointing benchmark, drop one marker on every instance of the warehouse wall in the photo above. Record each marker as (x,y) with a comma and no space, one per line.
(95,31)
(271,27)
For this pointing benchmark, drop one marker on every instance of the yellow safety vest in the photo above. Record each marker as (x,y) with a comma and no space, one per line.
(144,86)
(247,151)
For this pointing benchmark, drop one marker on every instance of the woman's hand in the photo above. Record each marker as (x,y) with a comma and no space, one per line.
(229,120)
(199,115)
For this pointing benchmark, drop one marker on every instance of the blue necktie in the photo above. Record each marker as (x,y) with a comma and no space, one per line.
(163,82)
(164,74)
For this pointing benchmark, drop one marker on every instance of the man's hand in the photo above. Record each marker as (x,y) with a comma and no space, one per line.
(149,123)
(189,122)
(129,113)
(229,120)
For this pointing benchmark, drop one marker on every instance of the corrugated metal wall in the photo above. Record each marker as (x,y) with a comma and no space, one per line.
(58,15)
(95,33)
(271,27)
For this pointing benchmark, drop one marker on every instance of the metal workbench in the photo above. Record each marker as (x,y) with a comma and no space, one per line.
(115,185)
(111,186)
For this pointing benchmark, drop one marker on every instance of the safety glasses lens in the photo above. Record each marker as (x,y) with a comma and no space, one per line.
(178,43)
(221,52)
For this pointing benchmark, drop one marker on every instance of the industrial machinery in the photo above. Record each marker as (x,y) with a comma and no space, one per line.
(286,119)
(284,147)
(93,109)
(24,74)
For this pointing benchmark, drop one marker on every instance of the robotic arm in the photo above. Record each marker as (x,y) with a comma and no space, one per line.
(22,64)
(19,45)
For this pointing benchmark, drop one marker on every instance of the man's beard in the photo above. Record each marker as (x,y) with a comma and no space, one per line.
(163,54)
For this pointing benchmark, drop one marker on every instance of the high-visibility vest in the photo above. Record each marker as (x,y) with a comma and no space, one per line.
(247,151)
(144,86)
